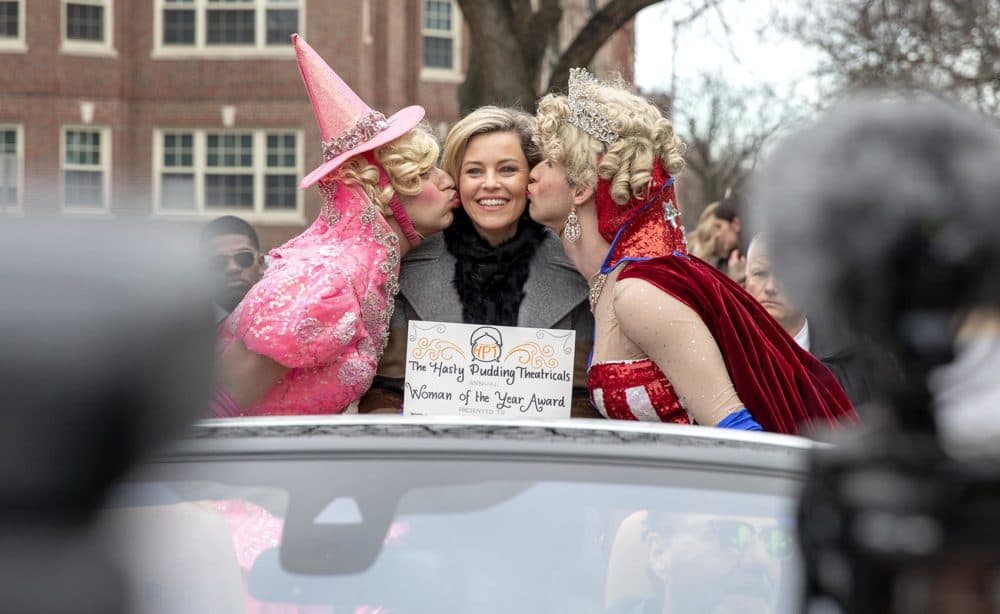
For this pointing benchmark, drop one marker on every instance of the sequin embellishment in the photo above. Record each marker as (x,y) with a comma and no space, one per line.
(329,211)
(308,330)
(356,371)
(369,125)
(635,390)
(345,327)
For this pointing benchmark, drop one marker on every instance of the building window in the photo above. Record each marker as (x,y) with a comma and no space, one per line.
(442,28)
(86,169)
(214,27)
(85,22)
(12,25)
(11,168)
(87,26)
(228,171)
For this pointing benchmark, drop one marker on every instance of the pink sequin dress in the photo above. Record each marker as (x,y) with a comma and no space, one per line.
(322,308)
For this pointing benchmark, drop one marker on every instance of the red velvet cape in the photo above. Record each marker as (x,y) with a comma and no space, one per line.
(783,386)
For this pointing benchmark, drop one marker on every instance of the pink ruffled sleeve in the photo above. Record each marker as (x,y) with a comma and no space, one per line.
(300,318)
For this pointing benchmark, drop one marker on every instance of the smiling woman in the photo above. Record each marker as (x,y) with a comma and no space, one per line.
(494,265)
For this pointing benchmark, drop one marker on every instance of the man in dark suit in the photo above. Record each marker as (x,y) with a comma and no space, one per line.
(845,354)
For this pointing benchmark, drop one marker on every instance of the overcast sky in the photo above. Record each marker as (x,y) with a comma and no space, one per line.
(704,47)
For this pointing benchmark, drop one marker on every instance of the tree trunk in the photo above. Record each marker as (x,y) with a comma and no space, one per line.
(507,48)
(497,72)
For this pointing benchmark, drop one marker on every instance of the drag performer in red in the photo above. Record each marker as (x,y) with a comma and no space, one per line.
(675,340)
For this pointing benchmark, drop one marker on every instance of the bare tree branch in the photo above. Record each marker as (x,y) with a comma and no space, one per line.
(950,47)
(592,36)
(725,128)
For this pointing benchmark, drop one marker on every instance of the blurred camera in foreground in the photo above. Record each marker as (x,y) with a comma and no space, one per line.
(886,214)
(107,349)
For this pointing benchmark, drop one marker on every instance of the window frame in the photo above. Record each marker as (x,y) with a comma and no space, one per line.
(367,22)
(106,152)
(201,49)
(18,207)
(78,47)
(431,73)
(18,43)
(200,169)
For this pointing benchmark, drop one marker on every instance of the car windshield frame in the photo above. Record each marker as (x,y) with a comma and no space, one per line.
(376,464)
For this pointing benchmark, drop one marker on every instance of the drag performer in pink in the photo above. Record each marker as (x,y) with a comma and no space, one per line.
(307,337)
(675,340)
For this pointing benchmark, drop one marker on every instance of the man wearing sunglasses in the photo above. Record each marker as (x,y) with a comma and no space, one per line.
(232,251)
(719,564)
(690,563)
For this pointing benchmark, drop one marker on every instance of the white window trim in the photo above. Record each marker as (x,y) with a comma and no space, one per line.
(259,169)
(223,52)
(105,167)
(367,31)
(17,44)
(447,75)
(105,48)
(17,208)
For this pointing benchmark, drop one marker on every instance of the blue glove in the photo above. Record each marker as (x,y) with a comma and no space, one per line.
(740,420)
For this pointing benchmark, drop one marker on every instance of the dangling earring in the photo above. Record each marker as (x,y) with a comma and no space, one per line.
(572,228)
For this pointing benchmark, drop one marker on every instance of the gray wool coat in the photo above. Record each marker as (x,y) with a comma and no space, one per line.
(555,296)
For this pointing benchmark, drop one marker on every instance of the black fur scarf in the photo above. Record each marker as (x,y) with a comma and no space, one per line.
(490,280)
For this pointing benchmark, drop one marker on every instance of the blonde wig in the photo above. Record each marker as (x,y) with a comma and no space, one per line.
(702,241)
(405,160)
(486,120)
(644,136)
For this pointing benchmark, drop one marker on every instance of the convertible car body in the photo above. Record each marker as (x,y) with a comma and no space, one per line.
(361,514)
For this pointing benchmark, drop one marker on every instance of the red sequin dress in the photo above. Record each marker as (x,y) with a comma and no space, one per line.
(634,390)
(780,384)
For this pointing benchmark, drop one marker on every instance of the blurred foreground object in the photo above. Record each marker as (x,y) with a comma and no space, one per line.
(887,214)
(107,349)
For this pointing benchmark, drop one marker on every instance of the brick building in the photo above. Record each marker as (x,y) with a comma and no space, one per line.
(183,110)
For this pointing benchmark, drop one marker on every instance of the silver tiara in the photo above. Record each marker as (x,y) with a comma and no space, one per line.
(586,113)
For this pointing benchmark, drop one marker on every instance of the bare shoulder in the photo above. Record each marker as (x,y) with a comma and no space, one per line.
(634,297)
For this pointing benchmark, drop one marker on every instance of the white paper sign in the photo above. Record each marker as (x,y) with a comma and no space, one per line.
(488,371)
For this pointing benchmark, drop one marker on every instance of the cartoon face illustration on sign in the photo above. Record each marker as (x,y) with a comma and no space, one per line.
(487,344)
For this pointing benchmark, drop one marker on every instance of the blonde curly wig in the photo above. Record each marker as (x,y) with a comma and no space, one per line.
(644,136)
(405,161)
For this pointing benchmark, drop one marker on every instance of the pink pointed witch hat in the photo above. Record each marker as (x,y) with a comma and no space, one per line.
(348,125)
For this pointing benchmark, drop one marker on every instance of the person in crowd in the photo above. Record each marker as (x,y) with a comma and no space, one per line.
(843,353)
(730,252)
(967,389)
(701,240)
(676,340)
(307,338)
(691,563)
(231,247)
(493,265)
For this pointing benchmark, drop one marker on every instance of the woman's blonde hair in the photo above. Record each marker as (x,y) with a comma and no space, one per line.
(486,120)
(702,239)
(405,160)
(644,136)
